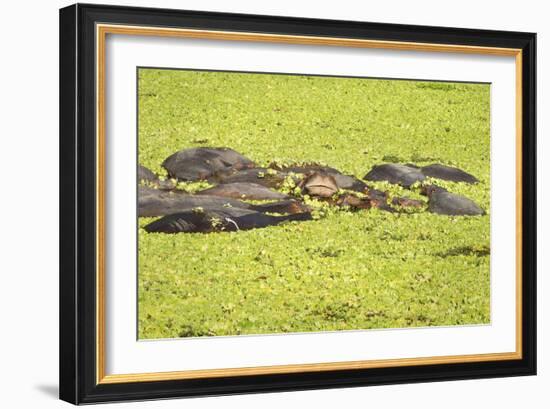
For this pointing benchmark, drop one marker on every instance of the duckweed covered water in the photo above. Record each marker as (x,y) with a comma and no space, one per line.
(348,270)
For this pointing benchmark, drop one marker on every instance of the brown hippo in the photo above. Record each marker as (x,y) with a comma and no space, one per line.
(367,202)
(319,184)
(229,219)
(407,202)
(342,181)
(282,206)
(355,202)
(203,163)
(379,200)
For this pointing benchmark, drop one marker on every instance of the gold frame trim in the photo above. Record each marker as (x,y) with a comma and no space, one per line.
(101,33)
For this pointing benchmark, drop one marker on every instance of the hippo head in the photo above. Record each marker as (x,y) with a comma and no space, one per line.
(319,184)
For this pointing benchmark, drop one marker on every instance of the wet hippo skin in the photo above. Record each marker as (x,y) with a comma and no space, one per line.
(202,163)
(219,220)
(451,204)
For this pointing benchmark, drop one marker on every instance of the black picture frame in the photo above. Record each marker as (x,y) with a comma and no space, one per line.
(78,360)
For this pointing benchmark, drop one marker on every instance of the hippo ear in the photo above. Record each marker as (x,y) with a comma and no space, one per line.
(425,190)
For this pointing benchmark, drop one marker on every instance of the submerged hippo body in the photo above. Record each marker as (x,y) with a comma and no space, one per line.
(360,203)
(342,181)
(446,203)
(153,202)
(407,202)
(244,190)
(395,173)
(282,206)
(448,173)
(378,202)
(219,220)
(146,176)
(203,163)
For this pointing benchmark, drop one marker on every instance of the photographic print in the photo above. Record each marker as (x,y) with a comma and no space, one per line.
(283,203)
(255,204)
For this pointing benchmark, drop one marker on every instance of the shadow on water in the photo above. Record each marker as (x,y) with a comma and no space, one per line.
(481,251)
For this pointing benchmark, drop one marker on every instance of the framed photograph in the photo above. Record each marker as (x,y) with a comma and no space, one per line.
(257,203)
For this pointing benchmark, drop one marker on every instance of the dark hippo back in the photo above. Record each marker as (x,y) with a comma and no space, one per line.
(146,175)
(449,173)
(395,173)
(202,163)
(219,221)
(153,202)
(451,204)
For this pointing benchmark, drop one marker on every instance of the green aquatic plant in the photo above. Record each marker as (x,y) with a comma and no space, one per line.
(193,187)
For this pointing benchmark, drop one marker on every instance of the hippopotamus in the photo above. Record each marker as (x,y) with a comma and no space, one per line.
(376,194)
(407,202)
(148,177)
(448,173)
(395,173)
(378,201)
(208,221)
(202,163)
(446,203)
(349,182)
(282,206)
(356,203)
(154,202)
(342,181)
(319,184)
(243,190)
